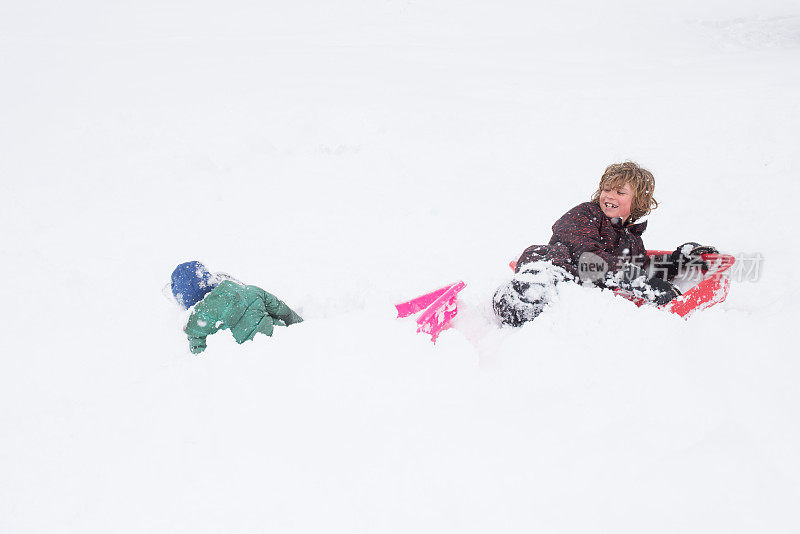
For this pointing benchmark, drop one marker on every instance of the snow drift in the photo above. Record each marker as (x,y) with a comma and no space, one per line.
(347,157)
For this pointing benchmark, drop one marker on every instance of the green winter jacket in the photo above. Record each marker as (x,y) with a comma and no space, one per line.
(244,310)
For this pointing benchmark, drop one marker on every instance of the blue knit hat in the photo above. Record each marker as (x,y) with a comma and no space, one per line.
(191,281)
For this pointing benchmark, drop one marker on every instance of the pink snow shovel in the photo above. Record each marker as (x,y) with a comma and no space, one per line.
(439,307)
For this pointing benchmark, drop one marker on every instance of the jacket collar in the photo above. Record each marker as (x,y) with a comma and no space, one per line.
(636,228)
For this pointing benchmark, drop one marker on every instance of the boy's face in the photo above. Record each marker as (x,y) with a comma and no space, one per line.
(616,201)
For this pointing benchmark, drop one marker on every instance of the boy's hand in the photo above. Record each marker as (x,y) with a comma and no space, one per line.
(689,255)
(654,290)
(197,344)
(692,250)
(665,291)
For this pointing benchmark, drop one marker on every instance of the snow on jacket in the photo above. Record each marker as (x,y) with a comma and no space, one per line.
(585,228)
(244,310)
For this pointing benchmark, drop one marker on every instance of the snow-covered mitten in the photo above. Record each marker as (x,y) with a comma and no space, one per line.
(661,291)
(634,279)
(688,255)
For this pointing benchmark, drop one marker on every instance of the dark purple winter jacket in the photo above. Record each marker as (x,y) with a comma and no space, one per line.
(585,228)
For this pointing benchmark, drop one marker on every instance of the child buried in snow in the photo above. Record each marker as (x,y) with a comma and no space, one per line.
(221,302)
(598,243)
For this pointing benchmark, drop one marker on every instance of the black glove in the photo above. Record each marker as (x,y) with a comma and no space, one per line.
(688,255)
(629,276)
(664,291)
(655,290)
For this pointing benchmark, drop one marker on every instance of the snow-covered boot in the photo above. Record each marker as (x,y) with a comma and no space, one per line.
(524,297)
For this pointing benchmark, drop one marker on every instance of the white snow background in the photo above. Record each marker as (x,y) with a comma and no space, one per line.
(350,155)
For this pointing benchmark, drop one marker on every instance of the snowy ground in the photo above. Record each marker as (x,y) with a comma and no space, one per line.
(347,156)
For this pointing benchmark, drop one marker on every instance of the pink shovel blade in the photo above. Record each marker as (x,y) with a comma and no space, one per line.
(439,307)
(438,315)
(404,309)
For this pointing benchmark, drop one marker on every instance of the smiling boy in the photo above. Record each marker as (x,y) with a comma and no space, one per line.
(599,242)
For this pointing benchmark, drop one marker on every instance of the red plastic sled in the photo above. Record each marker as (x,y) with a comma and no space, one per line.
(440,307)
(711,290)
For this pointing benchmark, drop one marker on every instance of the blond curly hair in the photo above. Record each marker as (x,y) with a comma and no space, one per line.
(641,181)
